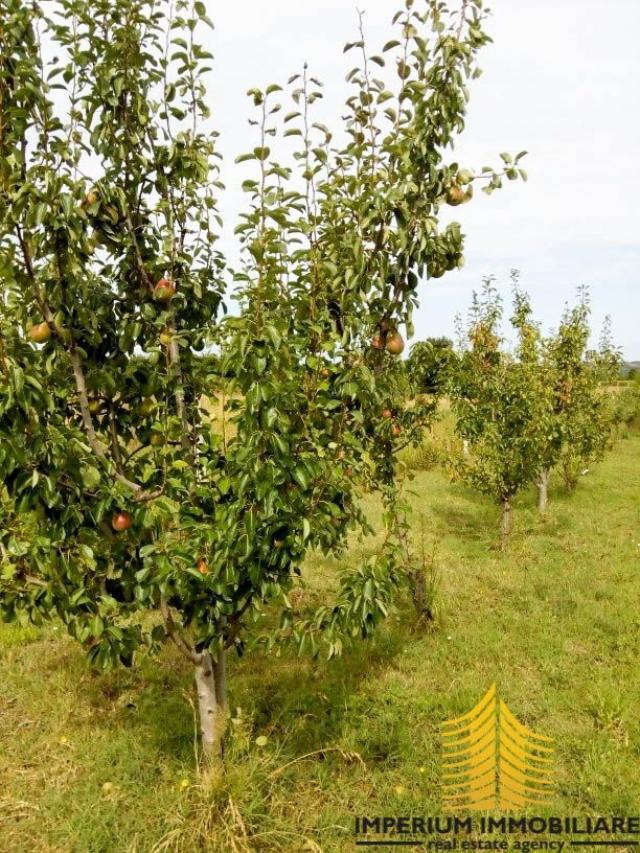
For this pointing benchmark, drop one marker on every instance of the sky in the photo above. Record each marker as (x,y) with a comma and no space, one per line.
(561,81)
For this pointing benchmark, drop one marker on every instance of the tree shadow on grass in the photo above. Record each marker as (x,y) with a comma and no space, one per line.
(296,700)
(154,703)
(305,702)
(474,517)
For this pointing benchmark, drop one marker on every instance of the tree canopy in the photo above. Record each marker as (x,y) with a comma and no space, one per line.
(129,512)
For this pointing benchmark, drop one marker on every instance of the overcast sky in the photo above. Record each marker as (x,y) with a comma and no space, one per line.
(561,81)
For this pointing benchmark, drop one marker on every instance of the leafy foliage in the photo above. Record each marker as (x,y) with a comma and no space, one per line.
(627,407)
(500,399)
(429,364)
(121,497)
(545,404)
(582,405)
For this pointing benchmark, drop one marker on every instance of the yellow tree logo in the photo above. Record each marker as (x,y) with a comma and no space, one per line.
(492,761)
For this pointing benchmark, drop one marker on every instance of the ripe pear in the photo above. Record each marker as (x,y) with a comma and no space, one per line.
(395,344)
(121,521)
(455,196)
(147,408)
(164,290)
(40,333)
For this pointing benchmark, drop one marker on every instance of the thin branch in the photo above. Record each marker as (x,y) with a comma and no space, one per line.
(94,442)
(223,406)
(370,98)
(136,248)
(234,623)
(115,448)
(463,18)
(137,450)
(47,313)
(81,386)
(175,636)
(174,360)
(174,349)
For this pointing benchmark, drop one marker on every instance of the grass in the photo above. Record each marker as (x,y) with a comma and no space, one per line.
(92,762)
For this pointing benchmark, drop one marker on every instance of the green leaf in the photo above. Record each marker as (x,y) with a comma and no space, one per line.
(300,475)
(90,477)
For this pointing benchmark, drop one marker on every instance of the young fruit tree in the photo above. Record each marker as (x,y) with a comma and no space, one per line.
(583,407)
(129,513)
(501,401)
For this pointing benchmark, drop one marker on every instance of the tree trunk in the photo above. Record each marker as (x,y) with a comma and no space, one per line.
(211,683)
(507,520)
(543,490)
(419,594)
(220,676)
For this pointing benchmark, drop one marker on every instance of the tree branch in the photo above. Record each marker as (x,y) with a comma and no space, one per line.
(173,354)
(175,636)
(234,625)
(115,448)
(47,313)
(94,442)
(136,248)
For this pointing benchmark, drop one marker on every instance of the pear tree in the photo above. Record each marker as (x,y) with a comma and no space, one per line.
(501,401)
(177,436)
(582,404)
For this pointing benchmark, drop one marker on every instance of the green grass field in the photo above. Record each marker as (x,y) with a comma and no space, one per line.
(92,762)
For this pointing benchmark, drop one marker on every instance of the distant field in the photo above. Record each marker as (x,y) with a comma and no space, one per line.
(93,763)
